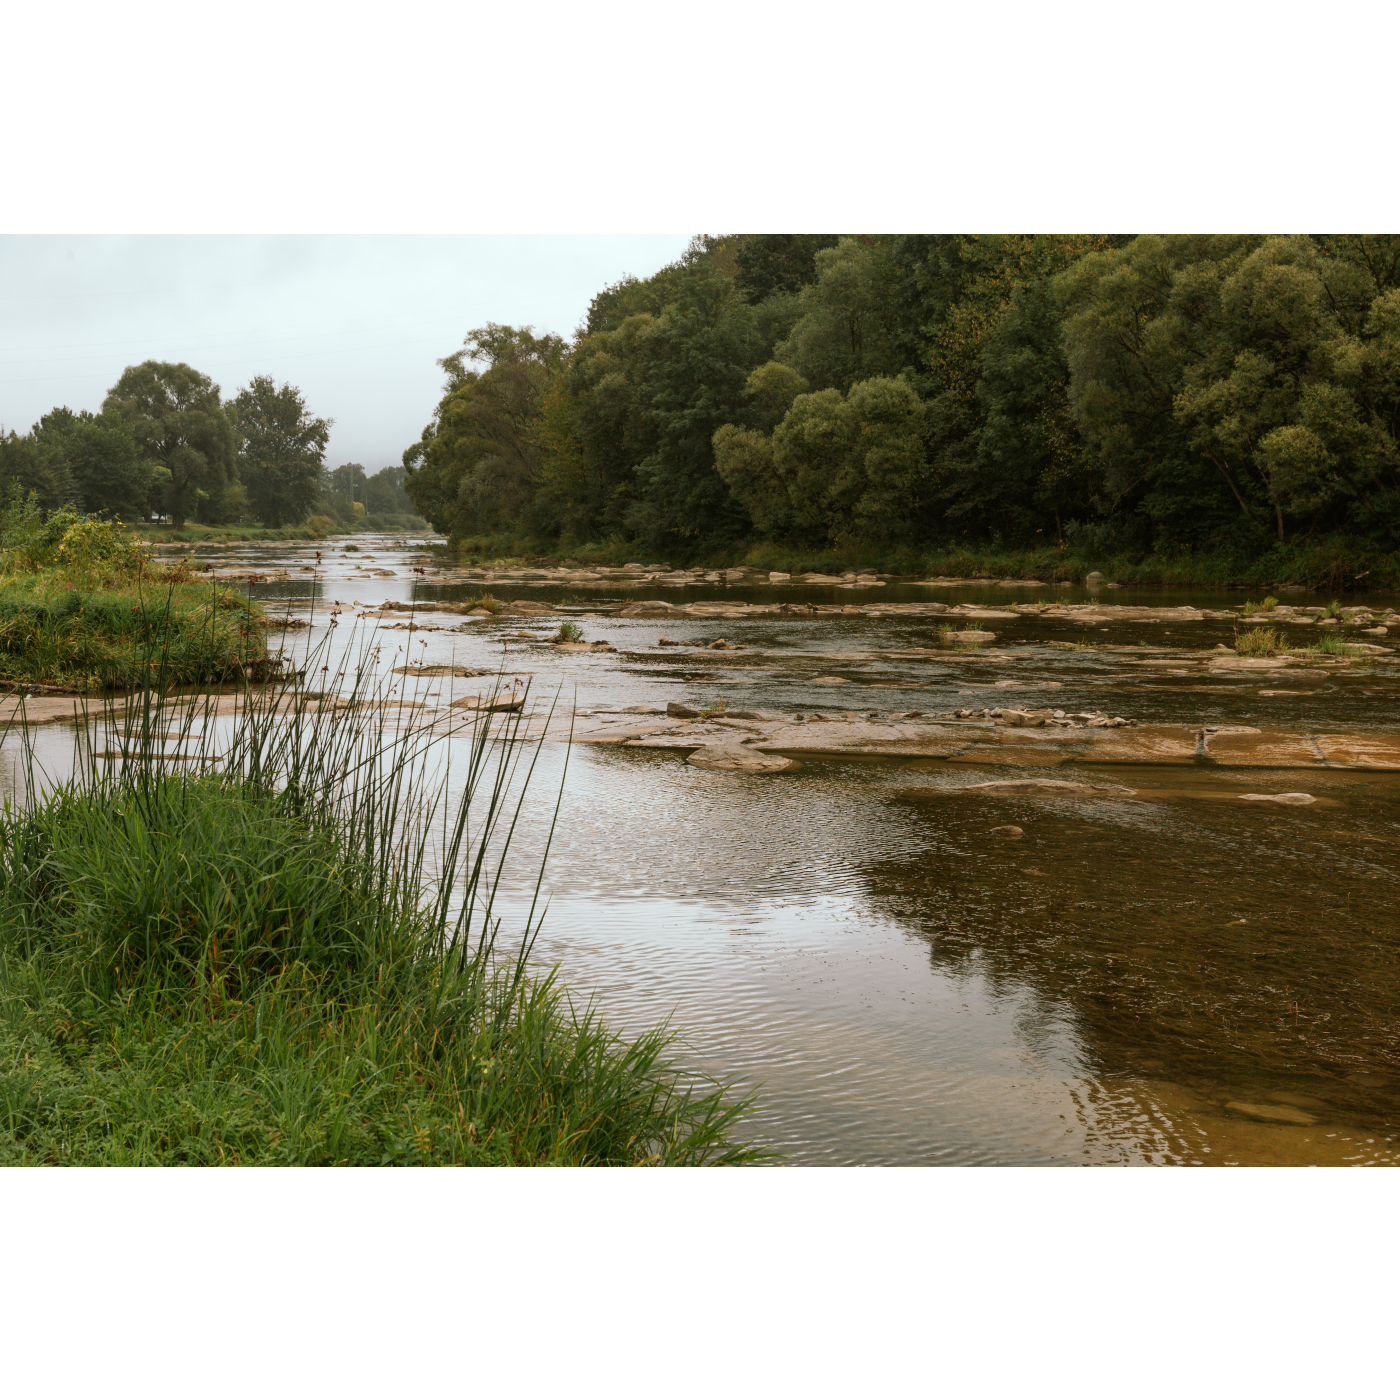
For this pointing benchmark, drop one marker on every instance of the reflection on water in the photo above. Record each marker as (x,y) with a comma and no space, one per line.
(1179,977)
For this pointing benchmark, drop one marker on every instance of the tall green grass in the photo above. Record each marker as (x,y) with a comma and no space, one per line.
(220,942)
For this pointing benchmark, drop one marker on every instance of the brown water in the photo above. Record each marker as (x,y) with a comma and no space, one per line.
(1179,977)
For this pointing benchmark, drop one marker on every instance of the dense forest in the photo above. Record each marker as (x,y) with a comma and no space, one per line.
(893,396)
(166,444)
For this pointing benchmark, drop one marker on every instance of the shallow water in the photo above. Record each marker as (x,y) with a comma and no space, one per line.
(1166,978)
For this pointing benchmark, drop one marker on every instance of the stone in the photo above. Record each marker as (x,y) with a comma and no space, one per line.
(1014,719)
(1288,799)
(440,671)
(678,711)
(643,710)
(1012,786)
(830,680)
(498,704)
(1095,577)
(778,578)
(968,637)
(736,758)
(1011,831)
(666,642)
(1272,1112)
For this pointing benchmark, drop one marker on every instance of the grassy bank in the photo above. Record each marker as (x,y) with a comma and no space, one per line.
(84,607)
(1330,565)
(248,966)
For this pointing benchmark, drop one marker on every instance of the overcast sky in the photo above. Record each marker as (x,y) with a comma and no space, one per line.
(356,322)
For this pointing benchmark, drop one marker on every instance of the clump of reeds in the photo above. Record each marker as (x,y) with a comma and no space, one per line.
(1263,605)
(220,943)
(1259,641)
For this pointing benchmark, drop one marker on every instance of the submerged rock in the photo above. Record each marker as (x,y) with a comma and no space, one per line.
(1272,1112)
(1289,799)
(1048,785)
(1011,831)
(440,671)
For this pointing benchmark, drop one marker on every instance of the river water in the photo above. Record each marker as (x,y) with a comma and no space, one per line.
(1183,978)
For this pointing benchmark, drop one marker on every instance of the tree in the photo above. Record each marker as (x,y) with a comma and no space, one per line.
(778,262)
(1227,383)
(178,421)
(383,493)
(38,469)
(281,449)
(107,468)
(474,467)
(841,335)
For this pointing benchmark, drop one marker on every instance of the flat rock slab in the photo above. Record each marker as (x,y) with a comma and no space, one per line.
(737,758)
(1287,799)
(1054,787)
(1368,751)
(440,671)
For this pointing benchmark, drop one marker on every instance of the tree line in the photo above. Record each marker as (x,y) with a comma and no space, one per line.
(165,443)
(1107,392)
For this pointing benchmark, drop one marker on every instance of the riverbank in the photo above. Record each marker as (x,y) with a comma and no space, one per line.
(318,527)
(1335,564)
(200,970)
(68,632)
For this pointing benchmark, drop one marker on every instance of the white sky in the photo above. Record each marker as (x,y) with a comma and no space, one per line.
(357,322)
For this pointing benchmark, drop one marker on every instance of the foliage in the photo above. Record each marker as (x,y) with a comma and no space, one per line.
(476,462)
(179,421)
(1128,398)
(253,968)
(281,448)
(102,459)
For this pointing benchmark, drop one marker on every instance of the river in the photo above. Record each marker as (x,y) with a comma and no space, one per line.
(1179,977)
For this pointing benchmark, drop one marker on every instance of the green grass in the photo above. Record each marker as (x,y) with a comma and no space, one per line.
(239,960)
(569,632)
(69,629)
(1259,641)
(1263,605)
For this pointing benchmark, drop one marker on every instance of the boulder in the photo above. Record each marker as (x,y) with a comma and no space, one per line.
(679,711)
(737,758)
(1010,831)
(968,637)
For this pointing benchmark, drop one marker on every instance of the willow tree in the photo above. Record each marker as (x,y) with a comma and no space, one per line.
(177,418)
